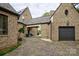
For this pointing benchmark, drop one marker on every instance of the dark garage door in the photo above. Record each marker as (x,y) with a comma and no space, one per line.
(66,33)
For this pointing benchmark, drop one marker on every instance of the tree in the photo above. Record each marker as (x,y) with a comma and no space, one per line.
(50,13)
(46,14)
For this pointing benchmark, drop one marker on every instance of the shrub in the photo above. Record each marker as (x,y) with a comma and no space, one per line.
(21,30)
(9,49)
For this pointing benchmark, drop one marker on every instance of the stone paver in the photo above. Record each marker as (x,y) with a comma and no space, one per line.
(38,47)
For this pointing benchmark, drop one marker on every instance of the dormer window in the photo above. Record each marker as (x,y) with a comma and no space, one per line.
(66,12)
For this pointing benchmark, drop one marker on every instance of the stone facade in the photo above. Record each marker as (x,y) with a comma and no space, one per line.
(11,38)
(34,29)
(20,26)
(26,15)
(44,28)
(60,19)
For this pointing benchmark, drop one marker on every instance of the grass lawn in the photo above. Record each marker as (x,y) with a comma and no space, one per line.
(7,50)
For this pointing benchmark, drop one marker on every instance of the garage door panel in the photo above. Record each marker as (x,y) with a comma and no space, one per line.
(66,33)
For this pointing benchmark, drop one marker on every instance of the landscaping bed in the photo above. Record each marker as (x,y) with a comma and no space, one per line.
(9,49)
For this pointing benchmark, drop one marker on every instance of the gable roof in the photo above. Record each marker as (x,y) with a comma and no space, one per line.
(8,7)
(61,4)
(23,10)
(39,20)
(56,10)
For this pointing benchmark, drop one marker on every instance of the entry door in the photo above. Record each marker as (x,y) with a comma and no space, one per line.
(66,33)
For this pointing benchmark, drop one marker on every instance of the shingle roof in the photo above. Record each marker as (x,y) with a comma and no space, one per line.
(22,10)
(39,20)
(8,7)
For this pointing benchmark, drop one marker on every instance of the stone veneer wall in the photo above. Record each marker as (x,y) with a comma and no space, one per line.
(60,19)
(26,14)
(11,38)
(45,30)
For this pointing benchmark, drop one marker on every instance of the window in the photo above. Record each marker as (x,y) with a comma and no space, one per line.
(3,25)
(66,12)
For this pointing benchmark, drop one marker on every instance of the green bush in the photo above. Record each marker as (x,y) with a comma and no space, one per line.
(21,30)
(9,49)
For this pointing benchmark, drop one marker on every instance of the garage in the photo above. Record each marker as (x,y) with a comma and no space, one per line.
(66,33)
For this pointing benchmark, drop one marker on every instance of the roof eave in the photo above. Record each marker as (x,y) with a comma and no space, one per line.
(39,23)
(3,9)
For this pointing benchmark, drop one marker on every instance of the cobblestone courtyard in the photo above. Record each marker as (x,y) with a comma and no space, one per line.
(40,47)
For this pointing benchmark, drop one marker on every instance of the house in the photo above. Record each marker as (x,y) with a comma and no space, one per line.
(8,26)
(34,26)
(65,25)
(24,15)
(62,25)
(38,27)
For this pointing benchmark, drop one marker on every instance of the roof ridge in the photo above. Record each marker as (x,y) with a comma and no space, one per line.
(22,10)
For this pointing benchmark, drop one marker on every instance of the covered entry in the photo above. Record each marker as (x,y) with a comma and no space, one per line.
(39,26)
(66,33)
(33,30)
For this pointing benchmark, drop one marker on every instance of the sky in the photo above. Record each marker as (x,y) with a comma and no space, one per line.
(36,9)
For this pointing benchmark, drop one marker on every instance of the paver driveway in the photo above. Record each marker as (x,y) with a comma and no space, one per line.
(38,47)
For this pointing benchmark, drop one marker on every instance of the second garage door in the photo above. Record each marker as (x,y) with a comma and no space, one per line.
(66,33)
